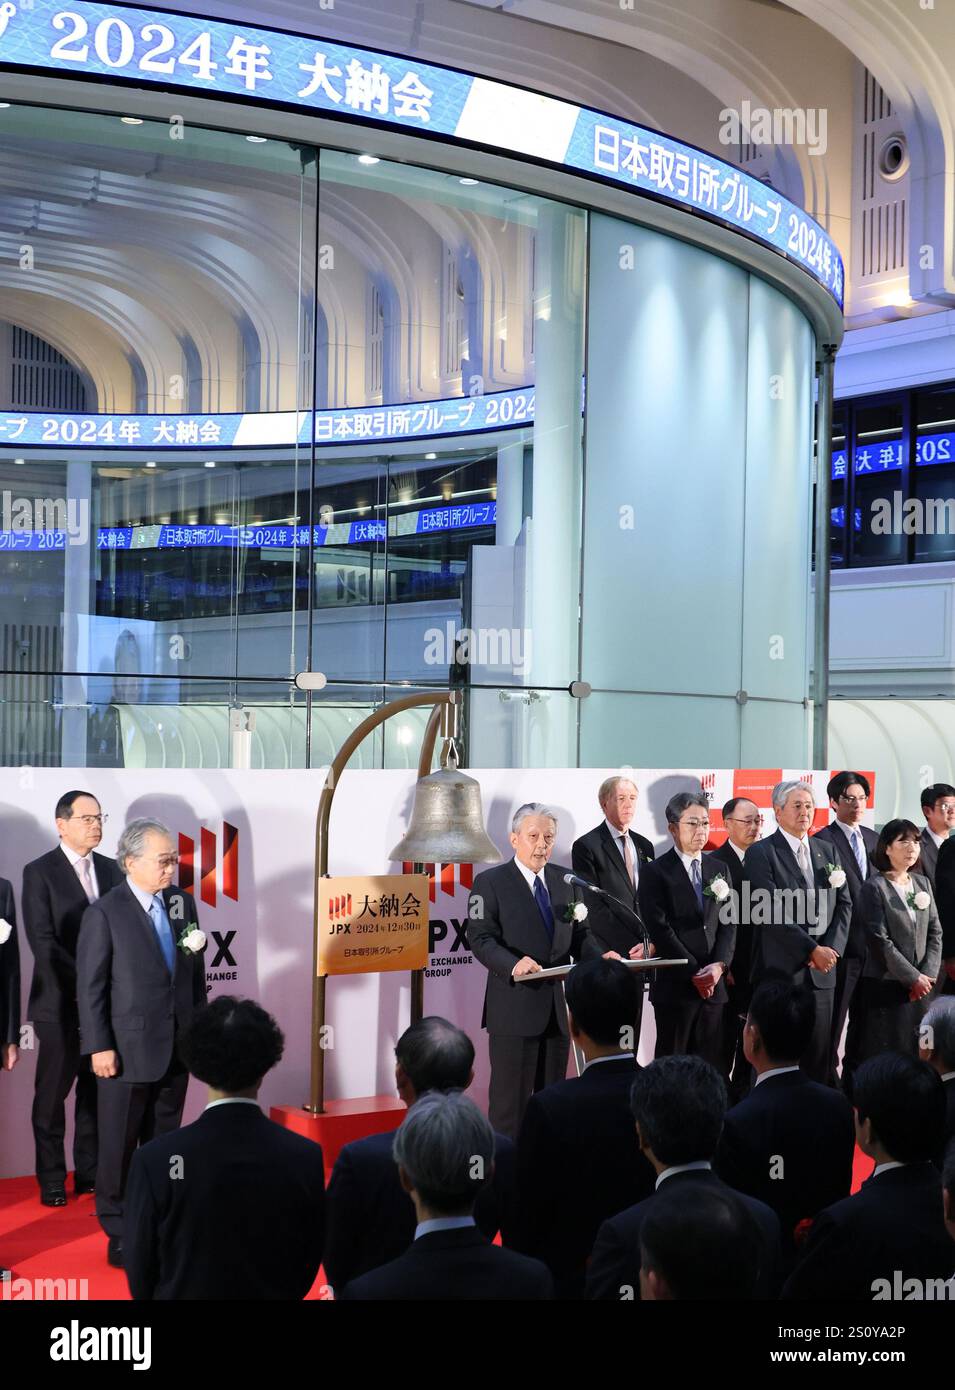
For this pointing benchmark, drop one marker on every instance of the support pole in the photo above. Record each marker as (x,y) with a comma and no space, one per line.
(441,715)
(820,664)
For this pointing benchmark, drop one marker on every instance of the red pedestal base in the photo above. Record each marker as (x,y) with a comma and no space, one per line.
(342,1121)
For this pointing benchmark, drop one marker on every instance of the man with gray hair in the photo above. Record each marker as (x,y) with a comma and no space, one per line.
(800,909)
(445,1156)
(937,1047)
(523,918)
(140,977)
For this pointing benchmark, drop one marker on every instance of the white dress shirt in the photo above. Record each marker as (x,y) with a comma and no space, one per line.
(774,1071)
(619,837)
(75,858)
(611,1057)
(443,1223)
(688,860)
(529,877)
(700,1166)
(232,1100)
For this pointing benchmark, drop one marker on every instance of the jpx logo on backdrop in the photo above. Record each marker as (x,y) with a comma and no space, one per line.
(52,517)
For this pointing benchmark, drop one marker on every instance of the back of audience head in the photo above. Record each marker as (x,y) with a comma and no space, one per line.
(231,1044)
(779,1024)
(444,1150)
(432,1055)
(699,1244)
(603,998)
(937,1035)
(948,1188)
(899,1105)
(678,1104)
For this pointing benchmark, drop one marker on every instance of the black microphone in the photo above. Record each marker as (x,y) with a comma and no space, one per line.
(575,879)
(582,883)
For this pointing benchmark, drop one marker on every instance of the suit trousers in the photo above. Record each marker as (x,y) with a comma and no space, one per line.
(816,1061)
(131,1113)
(848,974)
(694,1028)
(519,1067)
(58,1065)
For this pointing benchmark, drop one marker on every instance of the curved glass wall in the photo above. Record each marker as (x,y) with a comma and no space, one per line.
(183,535)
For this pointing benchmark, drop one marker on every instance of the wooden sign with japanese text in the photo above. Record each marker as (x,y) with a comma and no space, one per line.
(372,923)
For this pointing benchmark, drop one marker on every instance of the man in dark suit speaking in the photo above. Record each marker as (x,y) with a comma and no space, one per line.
(800,908)
(140,977)
(523,918)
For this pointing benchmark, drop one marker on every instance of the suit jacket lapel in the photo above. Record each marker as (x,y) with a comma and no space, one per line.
(615,858)
(68,878)
(683,893)
(560,895)
(146,922)
(787,860)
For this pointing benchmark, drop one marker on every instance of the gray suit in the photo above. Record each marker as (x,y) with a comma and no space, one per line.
(928,853)
(899,951)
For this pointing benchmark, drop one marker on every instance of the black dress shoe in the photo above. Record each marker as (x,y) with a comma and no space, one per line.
(114,1252)
(81,1186)
(53,1196)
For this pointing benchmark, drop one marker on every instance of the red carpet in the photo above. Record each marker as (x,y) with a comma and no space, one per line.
(39,1242)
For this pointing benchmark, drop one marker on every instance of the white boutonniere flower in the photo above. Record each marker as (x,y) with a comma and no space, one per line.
(717,888)
(919,900)
(575,912)
(5,930)
(192,941)
(837,875)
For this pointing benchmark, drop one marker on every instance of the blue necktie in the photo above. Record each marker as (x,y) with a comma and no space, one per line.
(859,853)
(544,908)
(697,881)
(163,930)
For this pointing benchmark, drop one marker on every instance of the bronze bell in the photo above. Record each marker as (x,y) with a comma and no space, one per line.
(447,822)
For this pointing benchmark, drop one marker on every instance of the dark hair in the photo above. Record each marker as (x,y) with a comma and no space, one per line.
(905,1101)
(682,802)
(679,1104)
(703,1241)
(840,784)
(436,1055)
(604,998)
(936,792)
(730,806)
(784,1014)
(898,829)
(64,807)
(231,1043)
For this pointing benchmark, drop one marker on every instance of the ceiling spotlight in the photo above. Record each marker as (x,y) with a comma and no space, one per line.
(5,105)
(468,183)
(368,159)
(151,464)
(431,456)
(256,139)
(211,463)
(131,120)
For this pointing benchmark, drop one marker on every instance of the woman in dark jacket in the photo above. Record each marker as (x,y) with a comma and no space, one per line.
(905,949)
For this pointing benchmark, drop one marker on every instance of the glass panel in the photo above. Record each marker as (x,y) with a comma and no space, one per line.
(182,285)
(933,521)
(618,730)
(877,477)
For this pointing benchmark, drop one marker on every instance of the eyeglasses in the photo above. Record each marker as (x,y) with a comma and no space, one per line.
(92,820)
(945,806)
(165,861)
(696,824)
(854,800)
(746,820)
